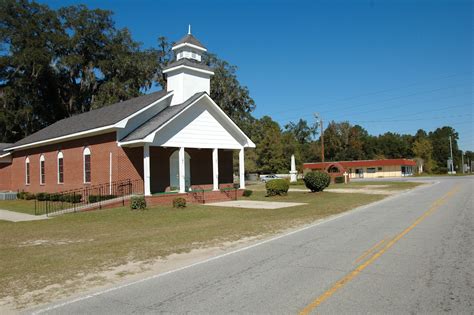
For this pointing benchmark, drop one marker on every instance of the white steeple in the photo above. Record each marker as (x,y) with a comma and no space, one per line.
(187,75)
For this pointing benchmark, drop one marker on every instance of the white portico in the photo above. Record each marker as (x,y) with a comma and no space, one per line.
(190,141)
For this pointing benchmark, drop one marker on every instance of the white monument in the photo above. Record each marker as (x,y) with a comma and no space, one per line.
(293,172)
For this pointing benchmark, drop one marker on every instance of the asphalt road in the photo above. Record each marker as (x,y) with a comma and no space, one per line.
(412,253)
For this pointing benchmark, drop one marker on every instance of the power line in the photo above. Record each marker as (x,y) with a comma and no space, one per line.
(379,91)
(358,112)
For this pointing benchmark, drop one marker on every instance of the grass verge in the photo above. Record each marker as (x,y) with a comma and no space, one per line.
(71,247)
(19,205)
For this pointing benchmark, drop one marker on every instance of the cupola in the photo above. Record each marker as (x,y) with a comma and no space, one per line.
(187,74)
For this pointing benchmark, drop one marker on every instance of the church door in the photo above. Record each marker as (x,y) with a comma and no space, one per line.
(174,171)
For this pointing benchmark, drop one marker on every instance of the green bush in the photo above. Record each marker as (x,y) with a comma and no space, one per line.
(42,196)
(277,187)
(20,195)
(138,203)
(29,196)
(317,181)
(97,198)
(179,202)
(247,193)
(71,198)
(55,197)
(339,180)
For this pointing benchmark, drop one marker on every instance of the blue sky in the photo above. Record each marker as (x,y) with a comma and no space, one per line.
(386,65)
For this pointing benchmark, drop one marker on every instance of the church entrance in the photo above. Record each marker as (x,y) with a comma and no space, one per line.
(174,171)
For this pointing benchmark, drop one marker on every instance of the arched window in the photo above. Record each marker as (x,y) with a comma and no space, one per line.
(60,168)
(27,170)
(87,165)
(42,175)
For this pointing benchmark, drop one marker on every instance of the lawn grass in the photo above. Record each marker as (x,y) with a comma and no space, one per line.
(75,245)
(19,205)
(388,185)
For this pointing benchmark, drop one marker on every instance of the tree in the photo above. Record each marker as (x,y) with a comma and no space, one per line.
(302,132)
(441,150)
(56,63)
(423,149)
(269,150)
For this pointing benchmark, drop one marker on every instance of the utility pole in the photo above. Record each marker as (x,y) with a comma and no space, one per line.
(451,150)
(320,119)
(462,162)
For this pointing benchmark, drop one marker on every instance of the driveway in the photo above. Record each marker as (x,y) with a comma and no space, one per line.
(410,253)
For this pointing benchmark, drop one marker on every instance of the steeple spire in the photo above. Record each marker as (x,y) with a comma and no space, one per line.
(189,29)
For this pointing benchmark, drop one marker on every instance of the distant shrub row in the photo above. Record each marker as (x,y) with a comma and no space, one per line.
(42,196)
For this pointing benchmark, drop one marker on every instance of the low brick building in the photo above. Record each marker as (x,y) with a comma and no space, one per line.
(365,168)
(173,140)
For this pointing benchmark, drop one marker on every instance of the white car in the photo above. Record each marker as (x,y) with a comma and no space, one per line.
(266,178)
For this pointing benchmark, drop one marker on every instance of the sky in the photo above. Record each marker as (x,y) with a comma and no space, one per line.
(388,65)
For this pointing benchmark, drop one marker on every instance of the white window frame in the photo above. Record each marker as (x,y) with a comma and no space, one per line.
(42,169)
(60,156)
(27,171)
(86,151)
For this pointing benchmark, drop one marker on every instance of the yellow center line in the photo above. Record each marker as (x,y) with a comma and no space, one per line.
(370,250)
(339,284)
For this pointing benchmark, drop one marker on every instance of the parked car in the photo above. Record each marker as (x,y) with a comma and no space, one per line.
(266,178)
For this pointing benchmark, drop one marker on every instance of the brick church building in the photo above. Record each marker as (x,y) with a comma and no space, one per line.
(177,140)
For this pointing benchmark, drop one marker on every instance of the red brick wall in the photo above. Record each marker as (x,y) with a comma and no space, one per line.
(5,176)
(127,163)
(100,146)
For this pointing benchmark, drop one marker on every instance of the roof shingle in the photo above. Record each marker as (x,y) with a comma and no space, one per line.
(191,40)
(160,119)
(101,117)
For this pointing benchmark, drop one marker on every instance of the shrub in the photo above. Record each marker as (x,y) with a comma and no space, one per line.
(29,196)
(339,179)
(20,195)
(277,187)
(55,197)
(42,196)
(97,198)
(72,198)
(138,203)
(247,193)
(317,181)
(179,202)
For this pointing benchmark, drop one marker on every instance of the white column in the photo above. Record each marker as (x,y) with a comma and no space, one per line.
(146,170)
(110,173)
(241,169)
(215,169)
(182,177)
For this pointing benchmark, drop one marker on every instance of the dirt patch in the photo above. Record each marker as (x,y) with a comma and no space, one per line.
(130,272)
(51,242)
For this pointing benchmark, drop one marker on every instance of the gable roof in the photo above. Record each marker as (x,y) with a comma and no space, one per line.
(189,39)
(159,119)
(157,122)
(4,145)
(97,118)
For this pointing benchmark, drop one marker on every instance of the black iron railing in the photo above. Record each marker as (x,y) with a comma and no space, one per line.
(86,197)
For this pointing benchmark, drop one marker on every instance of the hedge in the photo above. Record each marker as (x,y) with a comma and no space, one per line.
(339,180)
(277,187)
(317,181)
